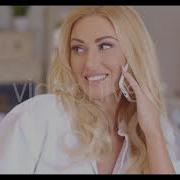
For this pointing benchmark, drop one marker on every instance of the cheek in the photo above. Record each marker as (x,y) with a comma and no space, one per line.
(113,60)
(76,66)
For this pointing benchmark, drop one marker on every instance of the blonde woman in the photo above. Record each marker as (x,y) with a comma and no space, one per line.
(87,125)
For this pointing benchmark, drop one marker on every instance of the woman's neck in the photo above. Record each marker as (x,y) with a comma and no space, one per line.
(109,106)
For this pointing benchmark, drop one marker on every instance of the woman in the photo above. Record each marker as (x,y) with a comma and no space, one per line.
(87,125)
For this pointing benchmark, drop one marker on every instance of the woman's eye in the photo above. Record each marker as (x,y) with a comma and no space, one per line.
(77,49)
(105,46)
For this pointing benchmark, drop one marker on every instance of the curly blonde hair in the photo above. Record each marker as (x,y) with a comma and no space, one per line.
(88,119)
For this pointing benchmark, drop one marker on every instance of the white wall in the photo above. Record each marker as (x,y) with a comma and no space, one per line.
(5,17)
(163,23)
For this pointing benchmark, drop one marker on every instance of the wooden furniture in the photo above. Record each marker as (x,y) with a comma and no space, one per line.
(18,60)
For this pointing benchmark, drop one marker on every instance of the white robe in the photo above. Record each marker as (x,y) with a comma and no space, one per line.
(31,136)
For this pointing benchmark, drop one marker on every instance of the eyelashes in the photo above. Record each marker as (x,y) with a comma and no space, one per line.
(76,48)
(80,49)
(109,45)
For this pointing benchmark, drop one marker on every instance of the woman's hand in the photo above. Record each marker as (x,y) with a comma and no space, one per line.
(147,114)
(149,120)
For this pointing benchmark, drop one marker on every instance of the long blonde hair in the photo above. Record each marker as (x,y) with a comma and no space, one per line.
(88,118)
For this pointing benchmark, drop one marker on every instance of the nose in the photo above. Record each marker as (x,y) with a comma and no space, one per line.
(93,60)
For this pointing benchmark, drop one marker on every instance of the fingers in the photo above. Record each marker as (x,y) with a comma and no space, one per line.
(132,82)
(146,90)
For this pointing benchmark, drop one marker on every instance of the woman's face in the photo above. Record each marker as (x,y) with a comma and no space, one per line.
(96,56)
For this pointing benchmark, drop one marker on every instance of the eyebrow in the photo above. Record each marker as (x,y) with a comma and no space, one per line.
(96,40)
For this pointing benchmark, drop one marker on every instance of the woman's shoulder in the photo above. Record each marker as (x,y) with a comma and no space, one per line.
(170,131)
(40,107)
(37,115)
(26,128)
(38,102)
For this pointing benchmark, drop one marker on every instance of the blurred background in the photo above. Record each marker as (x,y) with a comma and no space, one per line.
(28,37)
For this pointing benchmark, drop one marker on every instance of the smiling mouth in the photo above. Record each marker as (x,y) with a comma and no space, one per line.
(96,78)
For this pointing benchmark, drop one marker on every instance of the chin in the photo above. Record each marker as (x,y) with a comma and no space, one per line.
(97,92)
(98,96)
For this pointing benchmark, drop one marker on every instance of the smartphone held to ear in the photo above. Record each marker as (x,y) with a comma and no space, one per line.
(125,88)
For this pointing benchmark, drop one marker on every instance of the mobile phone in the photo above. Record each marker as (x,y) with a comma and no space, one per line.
(129,95)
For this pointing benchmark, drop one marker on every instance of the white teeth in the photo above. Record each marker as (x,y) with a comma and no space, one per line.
(96,78)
